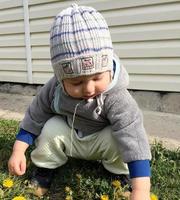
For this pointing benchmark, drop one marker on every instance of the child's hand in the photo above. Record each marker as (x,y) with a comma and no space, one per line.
(17,163)
(140,188)
(140,195)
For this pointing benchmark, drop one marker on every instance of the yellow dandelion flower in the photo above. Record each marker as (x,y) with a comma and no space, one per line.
(68,197)
(153,197)
(104,197)
(19,198)
(116,184)
(68,189)
(8,183)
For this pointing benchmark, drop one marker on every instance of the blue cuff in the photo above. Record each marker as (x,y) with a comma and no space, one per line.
(139,168)
(25,136)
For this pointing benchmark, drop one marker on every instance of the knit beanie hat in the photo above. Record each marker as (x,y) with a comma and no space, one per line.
(80,43)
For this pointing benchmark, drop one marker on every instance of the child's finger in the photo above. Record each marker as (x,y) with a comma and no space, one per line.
(23,167)
(17,169)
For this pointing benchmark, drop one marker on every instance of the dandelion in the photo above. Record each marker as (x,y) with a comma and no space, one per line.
(68,197)
(153,197)
(116,184)
(104,197)
(19,198)
(8,183)
(67,189)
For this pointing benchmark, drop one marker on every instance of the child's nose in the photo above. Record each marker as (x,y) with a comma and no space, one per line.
(89,88)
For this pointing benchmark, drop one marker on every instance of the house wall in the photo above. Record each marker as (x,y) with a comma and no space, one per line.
(145,34)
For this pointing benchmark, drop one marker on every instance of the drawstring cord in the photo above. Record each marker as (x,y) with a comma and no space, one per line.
(72,127)
(99,103)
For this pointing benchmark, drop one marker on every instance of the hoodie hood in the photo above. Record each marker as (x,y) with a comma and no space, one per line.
(120,77)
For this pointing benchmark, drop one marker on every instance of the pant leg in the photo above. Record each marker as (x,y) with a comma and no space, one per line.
(105,148)
(53,147)
(100,146)
(51,144)
(57,142)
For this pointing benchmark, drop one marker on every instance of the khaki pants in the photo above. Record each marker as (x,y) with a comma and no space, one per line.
(56,143)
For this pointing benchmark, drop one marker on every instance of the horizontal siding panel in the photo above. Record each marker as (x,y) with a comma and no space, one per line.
(148,49)
(4,4)
(152,66)
(11,14)
(42,66)
(40,39)
(153,69)
(147,53)
(12,52)
(9,76)
(12,27)
(46,9)
(41,78)
(136,16)
(12,40)
(160,83)
(41,52)
(159,31)
(12,65)
(43,25)
(106,4)
(39,2)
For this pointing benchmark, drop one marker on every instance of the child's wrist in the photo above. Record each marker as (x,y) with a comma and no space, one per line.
(18,150)
(20,146)
(141,184)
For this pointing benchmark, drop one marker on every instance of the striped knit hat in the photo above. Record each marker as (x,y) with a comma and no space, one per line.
(80,43)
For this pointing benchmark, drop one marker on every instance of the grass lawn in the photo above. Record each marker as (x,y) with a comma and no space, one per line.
(84,180)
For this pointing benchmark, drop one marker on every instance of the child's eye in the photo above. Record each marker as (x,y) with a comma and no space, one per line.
(97,79)
(77,83)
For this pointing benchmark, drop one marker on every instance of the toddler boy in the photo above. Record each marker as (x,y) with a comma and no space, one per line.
(85,111)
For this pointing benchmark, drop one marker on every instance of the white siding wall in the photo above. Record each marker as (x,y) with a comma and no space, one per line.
(145,33)
(12,46)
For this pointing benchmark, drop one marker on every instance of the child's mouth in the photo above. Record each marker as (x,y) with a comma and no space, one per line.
(88,97)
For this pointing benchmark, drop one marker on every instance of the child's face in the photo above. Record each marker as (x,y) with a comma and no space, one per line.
(87,87)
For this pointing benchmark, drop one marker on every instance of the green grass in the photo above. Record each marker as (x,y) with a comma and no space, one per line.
(87,180)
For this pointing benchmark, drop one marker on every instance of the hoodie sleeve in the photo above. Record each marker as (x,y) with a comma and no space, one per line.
(39,111)
(127,124)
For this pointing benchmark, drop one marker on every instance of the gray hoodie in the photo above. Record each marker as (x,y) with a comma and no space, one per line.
(115,107)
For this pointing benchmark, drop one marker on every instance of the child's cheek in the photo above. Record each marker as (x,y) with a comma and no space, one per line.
(76,90)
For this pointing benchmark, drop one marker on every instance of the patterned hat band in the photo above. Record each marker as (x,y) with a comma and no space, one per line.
(84,65)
